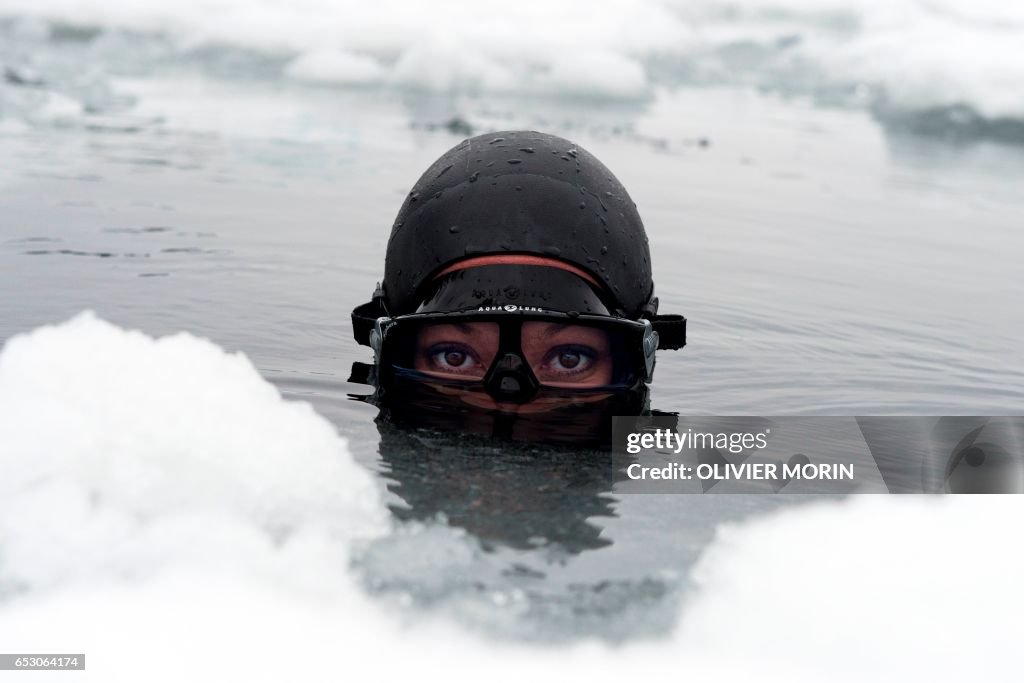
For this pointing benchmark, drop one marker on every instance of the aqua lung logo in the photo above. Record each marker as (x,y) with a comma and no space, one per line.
(512,308)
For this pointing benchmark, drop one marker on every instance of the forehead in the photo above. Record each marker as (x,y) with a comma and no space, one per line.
(459,330)
(531,330)
(536,330)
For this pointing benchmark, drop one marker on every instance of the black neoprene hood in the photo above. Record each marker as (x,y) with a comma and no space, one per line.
(519,192)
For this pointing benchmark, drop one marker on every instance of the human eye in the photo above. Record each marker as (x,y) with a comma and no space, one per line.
(455,358)
(570,359)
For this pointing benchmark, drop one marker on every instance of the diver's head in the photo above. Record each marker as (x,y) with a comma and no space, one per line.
(518,274)
(520,192)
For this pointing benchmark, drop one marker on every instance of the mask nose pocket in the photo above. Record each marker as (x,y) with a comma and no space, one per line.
(509,380)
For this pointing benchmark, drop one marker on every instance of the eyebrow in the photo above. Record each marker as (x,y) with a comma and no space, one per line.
(471,328)
(554,329)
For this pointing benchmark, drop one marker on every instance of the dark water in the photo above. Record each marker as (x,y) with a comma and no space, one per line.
(826,266)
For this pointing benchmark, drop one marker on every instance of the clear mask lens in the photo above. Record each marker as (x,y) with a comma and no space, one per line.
(558,355)
(514,356)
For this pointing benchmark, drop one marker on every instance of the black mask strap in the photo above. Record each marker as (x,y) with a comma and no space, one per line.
(364,317)
(671,331)
(509,379)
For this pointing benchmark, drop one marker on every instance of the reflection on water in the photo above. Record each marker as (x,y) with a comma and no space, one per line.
(518,515)
(504,493)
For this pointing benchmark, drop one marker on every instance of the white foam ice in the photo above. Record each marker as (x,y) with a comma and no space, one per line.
(122,454)
(903,54)
(898,588)
(331,65)
(533,47)
(164,510)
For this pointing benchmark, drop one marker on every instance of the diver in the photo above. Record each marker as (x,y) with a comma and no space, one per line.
(517,297)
